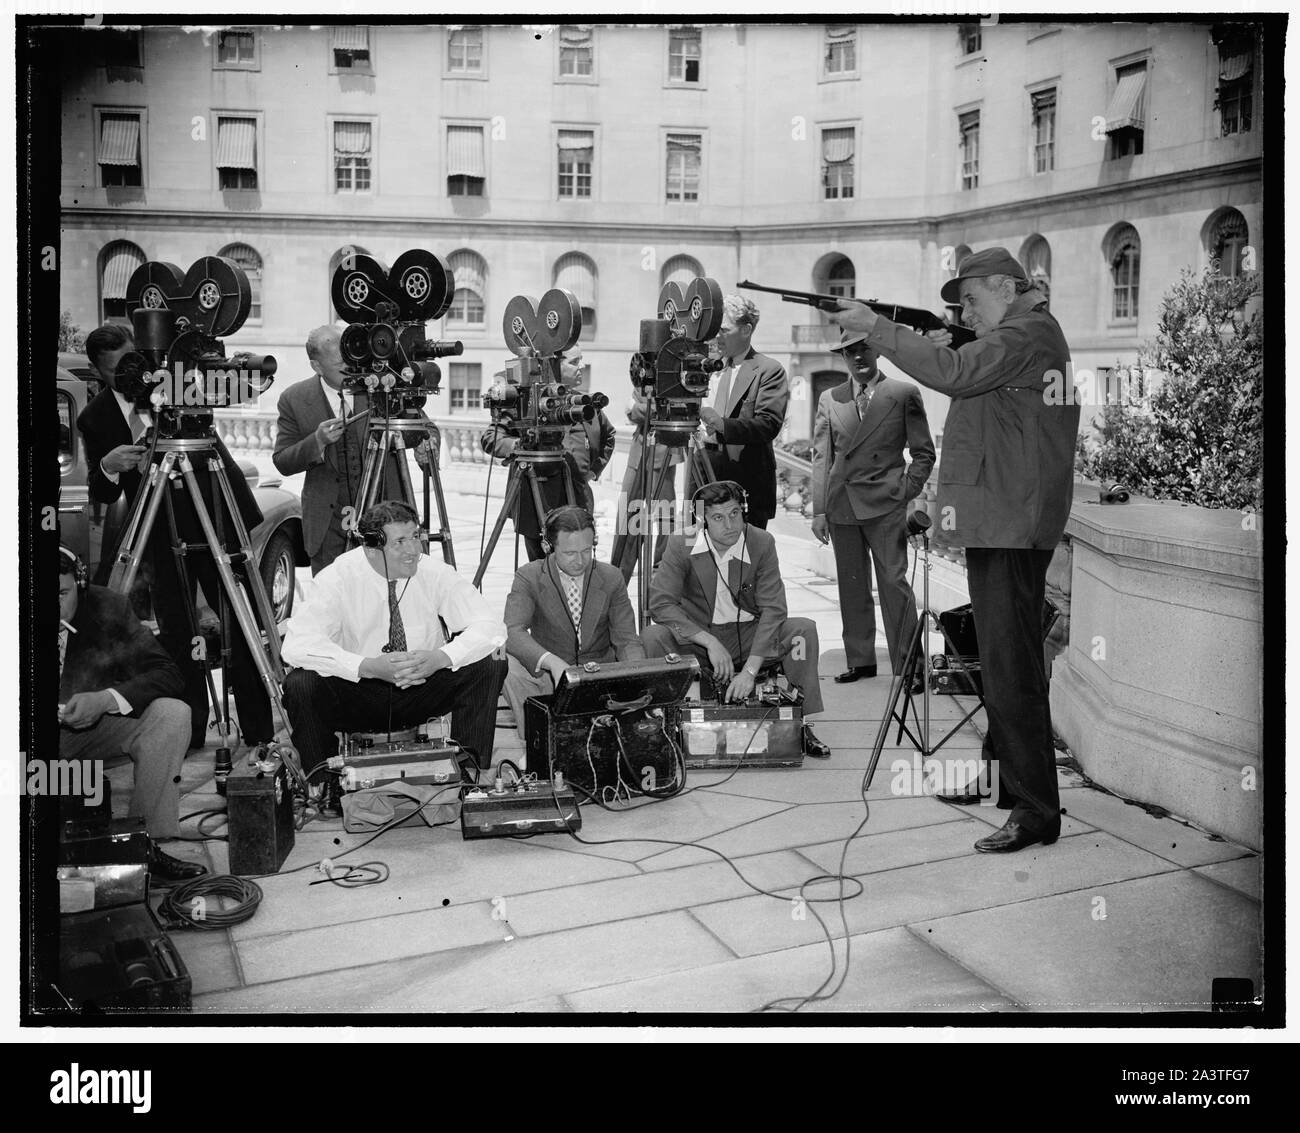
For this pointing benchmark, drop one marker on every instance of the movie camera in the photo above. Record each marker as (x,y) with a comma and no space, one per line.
(533,399)
(179,371)
(673,362)
(385,352)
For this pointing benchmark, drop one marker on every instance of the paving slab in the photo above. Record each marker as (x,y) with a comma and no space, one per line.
(906,895)
(887,971)
(491,976)
(209,958)
(992,816)
(1162,942)
(874,852)
(1246,875)
(1164,836)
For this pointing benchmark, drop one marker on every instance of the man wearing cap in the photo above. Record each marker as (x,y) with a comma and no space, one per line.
(1005,488)
(861,488)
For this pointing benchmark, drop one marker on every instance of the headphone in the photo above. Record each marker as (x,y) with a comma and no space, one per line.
(371,525)
(732,491)
(78,568)
(550,532)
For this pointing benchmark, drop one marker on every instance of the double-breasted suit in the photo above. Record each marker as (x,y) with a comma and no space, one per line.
(756,405)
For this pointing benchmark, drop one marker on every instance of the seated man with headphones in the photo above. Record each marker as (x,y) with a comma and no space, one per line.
(737,627)
(565,609)
(120,692)
(389,638)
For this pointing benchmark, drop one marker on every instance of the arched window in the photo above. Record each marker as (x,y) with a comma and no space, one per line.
(959,253)
(335,260)
(841,279)
(1226,237)
(248,259)
(577,273)
(1123,251)
(680,270)
(468,305)
(117,263)
(1036,259)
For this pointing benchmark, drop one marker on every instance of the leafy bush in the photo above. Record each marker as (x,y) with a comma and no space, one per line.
(1198,436)
(71,337)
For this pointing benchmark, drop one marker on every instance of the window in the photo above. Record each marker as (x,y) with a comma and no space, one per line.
(465,51)
(467,307)
(837,163)
(121,54)
(683,55)
(1228,237)
(119,150)
(466,165)
(841,56)
(683,165)
(1236,81)
(1125,116)
(969,128)
(350,50)
(1044,110)
(248,259)
(970,38)
(352,157)
(680,270)
(1036,258)
(576,148)
(237,48)
(577,273)
(466,390)
(117,263)
(841,280)
(576,61)
(1124,253)
(237,152)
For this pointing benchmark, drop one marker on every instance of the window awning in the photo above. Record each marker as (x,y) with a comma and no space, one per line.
(119,141)
(118,269)
(837,146)
(351,39)
(236,143)
(1236,66)
(468,270)
(687,142)
(841,31)
(352,138)
(575,35)
(465,152)
(574,273)
(1125,107)
(576,144)
(682,270)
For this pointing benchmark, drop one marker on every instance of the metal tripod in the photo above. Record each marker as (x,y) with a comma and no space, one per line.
(387,436)
(918,656)
(523,467)
(181,456)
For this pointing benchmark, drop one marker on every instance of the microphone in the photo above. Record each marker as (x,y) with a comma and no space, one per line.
(918,522)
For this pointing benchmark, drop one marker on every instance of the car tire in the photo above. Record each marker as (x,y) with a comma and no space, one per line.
(277,568)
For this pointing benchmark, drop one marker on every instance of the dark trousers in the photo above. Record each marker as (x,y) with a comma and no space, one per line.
(320,706)
(1006,593)
(176,636)
(883,539)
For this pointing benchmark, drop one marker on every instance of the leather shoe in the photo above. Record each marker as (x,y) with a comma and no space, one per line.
(167,870)
(962,796)
(813,746)
(856,672)
(1013,836)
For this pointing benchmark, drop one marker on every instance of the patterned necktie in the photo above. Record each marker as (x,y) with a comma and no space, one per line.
(63,648)
(573,594)
(863,400)
(396,631)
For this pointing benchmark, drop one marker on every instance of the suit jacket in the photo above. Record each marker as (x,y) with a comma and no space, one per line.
(103,428)
(1006,476)
(334,474)
(858,467)
(111,649)
(685,585)
(538,621)
(756,407)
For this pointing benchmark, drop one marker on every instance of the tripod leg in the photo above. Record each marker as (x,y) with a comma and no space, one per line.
(431,476)
(896,686)
(507,509)
(650,526)
(144,513)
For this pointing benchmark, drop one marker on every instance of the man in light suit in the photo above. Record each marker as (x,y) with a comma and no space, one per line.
(565,609)
(312,437)
(861,488)
(744,411)
(738,627)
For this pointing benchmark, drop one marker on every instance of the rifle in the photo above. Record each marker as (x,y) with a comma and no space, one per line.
(919,319)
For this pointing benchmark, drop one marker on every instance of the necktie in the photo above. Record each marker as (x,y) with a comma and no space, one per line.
(396,631)
(863,400)
(138,428)
(573,594)
(63,649)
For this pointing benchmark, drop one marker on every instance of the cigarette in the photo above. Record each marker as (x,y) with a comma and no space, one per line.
(69,628)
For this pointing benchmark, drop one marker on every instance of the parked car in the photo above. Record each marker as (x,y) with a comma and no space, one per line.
(92,529)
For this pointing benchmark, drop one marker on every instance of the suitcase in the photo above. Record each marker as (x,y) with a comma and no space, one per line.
(120,960)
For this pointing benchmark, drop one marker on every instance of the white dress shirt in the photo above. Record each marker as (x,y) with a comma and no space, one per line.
(725,611)
(332,397)
(135,421)
(345,618)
